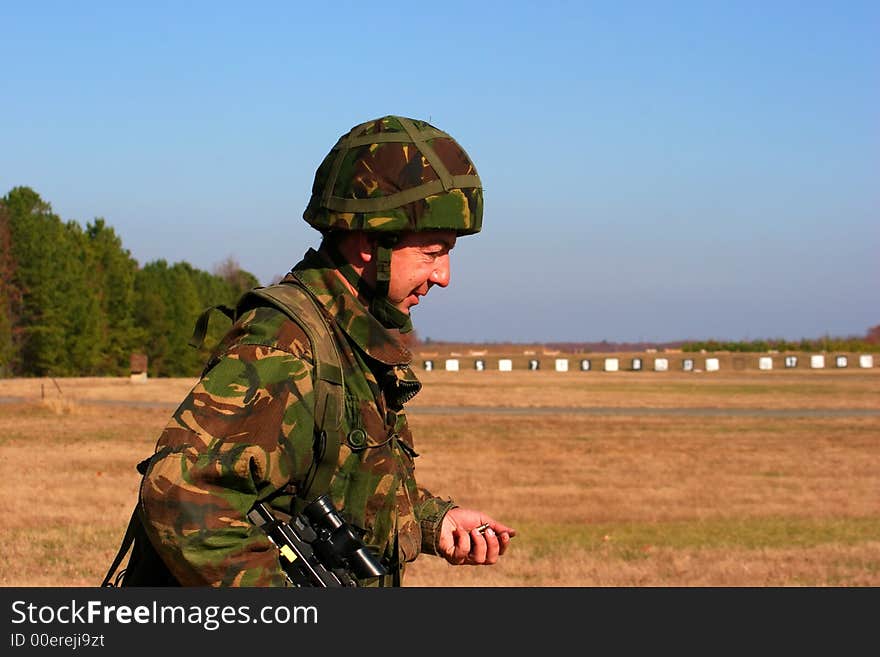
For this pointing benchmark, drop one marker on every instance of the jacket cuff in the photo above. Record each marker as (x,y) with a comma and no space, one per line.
(430,522)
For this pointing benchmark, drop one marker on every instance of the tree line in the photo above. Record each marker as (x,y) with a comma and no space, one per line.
(74,302)
(870,342)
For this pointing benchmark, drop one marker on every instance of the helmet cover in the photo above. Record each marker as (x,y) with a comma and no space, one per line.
(395,174)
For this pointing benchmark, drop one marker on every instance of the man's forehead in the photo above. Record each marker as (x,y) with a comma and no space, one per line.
(423,239)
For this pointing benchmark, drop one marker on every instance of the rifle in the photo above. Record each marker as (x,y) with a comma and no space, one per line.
(318,548)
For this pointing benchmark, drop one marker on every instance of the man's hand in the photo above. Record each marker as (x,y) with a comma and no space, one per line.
(462,543)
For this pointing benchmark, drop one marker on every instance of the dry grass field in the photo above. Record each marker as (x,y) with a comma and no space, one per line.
(779,485)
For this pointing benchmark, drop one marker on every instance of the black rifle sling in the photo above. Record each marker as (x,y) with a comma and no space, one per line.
(300,306)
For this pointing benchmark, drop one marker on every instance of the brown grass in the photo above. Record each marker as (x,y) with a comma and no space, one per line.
(598,500)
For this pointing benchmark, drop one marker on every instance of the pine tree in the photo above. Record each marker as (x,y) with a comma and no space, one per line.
(10,298)
(114,274)
(38,241)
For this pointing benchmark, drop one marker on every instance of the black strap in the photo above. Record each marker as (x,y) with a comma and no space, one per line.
(127,540)
(201,328)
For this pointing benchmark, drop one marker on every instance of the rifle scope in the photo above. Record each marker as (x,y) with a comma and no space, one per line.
(337,543)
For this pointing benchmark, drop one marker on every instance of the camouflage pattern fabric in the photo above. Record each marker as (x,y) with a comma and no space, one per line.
(246,430)
(396,174)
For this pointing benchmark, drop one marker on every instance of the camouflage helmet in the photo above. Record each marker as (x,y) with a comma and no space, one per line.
(395,174)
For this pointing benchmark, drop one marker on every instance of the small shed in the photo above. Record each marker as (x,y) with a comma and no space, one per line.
(138,367)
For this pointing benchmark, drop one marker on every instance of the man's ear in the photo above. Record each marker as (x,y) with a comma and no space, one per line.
(365,246)
(357,247)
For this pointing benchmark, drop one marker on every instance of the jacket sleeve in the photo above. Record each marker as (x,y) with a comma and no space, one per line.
(243,433)
(430,511)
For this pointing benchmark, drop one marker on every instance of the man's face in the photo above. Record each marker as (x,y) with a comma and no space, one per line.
(419,261)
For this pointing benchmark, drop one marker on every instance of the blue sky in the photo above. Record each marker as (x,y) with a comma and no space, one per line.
(652,171)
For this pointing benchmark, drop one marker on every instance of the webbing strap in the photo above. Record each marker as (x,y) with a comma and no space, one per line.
(127,540)
(421,143)
(329,382)
(398,199)
(333,175)
(428,132)
(384,247)
(201,328)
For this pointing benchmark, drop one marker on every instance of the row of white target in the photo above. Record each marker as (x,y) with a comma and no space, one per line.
(817,361)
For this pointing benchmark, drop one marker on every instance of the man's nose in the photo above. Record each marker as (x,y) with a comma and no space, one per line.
(440,275)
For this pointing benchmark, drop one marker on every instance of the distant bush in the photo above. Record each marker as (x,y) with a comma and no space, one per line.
(824,344)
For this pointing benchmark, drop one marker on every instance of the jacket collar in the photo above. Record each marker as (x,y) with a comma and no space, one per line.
(317,273)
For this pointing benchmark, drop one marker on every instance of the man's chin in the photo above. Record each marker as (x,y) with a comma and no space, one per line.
(406,305)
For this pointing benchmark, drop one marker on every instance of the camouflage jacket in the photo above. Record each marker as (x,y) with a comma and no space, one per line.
(245,432)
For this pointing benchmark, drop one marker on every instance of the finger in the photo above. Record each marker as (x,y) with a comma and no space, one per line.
(503,529)
(503,542)
(493,547)
(462,546)
(478,547)
(449,545)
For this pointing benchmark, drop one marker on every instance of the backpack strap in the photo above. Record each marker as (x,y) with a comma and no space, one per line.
(127,540)
(299,305)
(329,386)
(130,534)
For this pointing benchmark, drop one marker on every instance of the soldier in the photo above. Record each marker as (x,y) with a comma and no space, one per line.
(390,200)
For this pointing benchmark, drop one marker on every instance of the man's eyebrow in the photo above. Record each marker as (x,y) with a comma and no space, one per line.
(446,244)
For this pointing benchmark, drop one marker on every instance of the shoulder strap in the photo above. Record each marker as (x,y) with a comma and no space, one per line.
(329,382)
(295,302)
(127,540)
